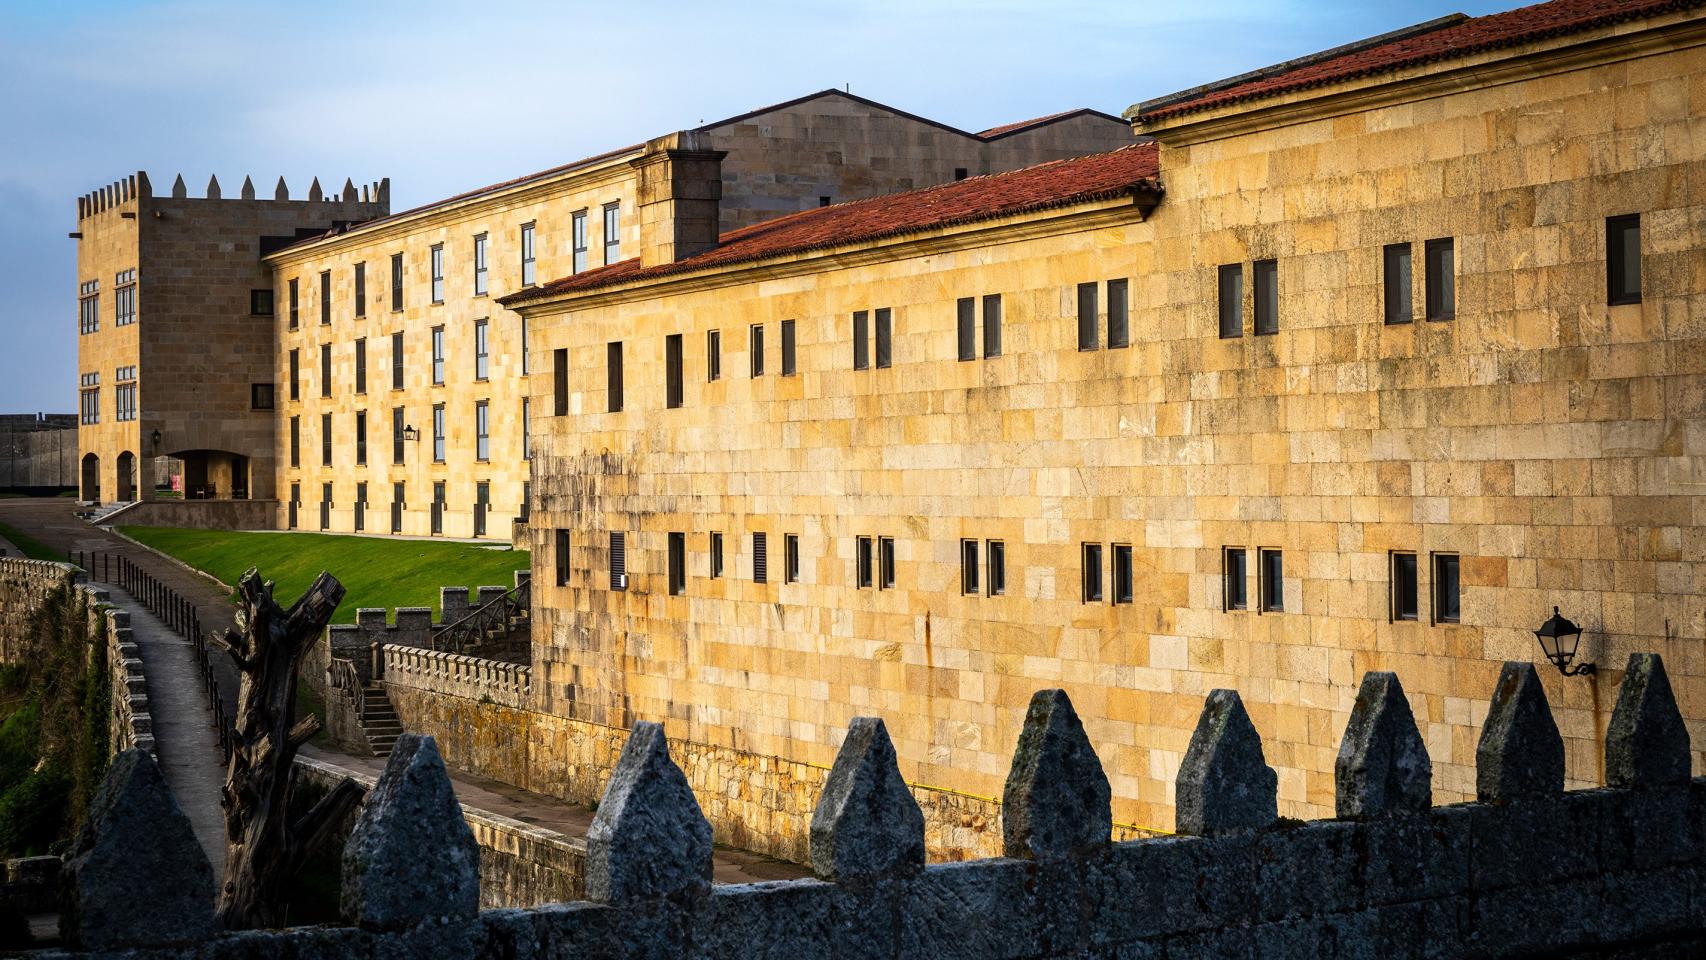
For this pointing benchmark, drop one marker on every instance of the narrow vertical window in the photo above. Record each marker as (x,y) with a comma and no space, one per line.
(296,441)
(1266,296)
(1092,573)
(480,265)
(295,500)
(560,382)
(396,282)
(397,360)
(716,557)
(789,349)
(482,430)
(968,568)
(1404,605)
(1396,282)
(295,374)
(885,563)
(760,558)
(437,262)
(361,438)
(577,240)
(295,303)
(325,506)
(992,325)
(1232,300)
(526,433)
(526,363)
(482,357)
(560,554)
(673,387)
(437,355)
(1119,314)
(325,439)
(966,327)
(1623,259)
(861,340)
(527,259)
(1447,595)
(361,365)
(325,297)
(1087,316)
(360,506)
(325,369)
(677,563)
(885,338)
(397,438)
(1441,279)
(613,376)
(791,558)
(397,505)
(482,503)
(438,433)
(995,554)
(1235,577)
(361,289)
(618,561)
(1122,573)
(713,355)
(612,233)
(863,561)
(755,349)
(1271,567)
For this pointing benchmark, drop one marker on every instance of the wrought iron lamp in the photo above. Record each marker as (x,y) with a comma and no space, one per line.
(411,434)
(1559,638)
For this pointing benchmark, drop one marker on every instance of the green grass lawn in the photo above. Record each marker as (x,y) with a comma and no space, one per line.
(32,548)
(375,572)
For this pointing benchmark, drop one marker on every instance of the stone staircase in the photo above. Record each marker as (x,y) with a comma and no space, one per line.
(98,516)
(379,720)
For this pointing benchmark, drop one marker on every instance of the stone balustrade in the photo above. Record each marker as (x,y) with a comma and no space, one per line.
(473,678)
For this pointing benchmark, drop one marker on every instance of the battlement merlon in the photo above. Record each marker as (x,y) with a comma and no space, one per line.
(125,196)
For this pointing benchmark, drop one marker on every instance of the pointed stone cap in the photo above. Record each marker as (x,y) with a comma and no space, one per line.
(281,192)
(867,823)
(1647,743)
(1383,768)
(248,191)
(179,191)
(349,190)
(143,187)
(136,875)
(649,840)
(1225,784)
(213,188)
(1521,754)
(1056,804)
(314,193)
(411,857)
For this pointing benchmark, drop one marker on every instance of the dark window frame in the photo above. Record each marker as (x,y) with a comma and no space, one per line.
(1121,574)
(965,328)
(1447,591)
(713,356)
(969,558)
(1089,317)
(529,259)
(861,340)
(262,396)
(1397,283)
(882,322)
(435,264)
(755,349)
(790,349)
(1405,594)
(991,325)
(396,283)
(760,557)
(261,302)
(325,298)
(1229,303)
(560,382)
(864,563)
(1119,314)
(885,563)
(1441,284)
(613,387)
(1235,578)
(676,545)
(560,556)
(1090,564)
(482,264)
(995,567)
(325,369)
(618,560)
(790,558)
(1270,588)
(674,387)
(361,289)
(1264,297)
(1620,288)
(715,554)
(397,355)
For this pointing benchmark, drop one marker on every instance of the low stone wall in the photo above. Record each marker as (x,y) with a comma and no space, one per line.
(25,588)
(505,684)
(199,514)
(132,724)
(520,865)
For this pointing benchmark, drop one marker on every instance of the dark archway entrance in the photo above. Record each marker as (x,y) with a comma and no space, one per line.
(214,474)
(91,486)
(126,477)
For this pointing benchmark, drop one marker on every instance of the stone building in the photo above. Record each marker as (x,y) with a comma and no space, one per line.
(38,451)
(1366,363)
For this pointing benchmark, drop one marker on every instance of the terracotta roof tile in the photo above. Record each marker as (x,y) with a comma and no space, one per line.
(1475,35)
(1061,183)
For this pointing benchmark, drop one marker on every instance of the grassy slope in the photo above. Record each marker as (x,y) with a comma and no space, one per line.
(32,548)
(375,572)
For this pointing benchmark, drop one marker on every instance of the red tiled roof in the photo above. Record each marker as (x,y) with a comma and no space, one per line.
(995,133)
(1475,35)
(1061,183)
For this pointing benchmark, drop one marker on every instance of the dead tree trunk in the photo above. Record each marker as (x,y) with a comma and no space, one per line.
(263,849)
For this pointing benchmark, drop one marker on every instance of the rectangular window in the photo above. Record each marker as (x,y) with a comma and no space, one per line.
(1266,296)
(560,555)
(968,568)
(360,506)
(526,501)
(526,429)
(618,561)
(260,396)
(325,369)
(885,338)
(1092,573)
(396,282)
(295,498)
(1232,300)
(260,303)
(437,355)
(482,430)
(864,560)
(125,393)
(482,358)
(124,298)
(673,387)
(1396,282)
(995,551)
(713,356)
(1441,279)
(437,526)
(438,433)
(1236,578)
(361,437)
(89,306)
(966,328)
(397,505)
(1119,314)
(1447,595)
(397,360)
(89,405)
(1404,599)
(325,506)
(527,259)
(361,365)
(325,439)
(1623,259)
(560,382)
(716,552)
(1087,316)
(437,262)
(361,289)
(1122,573)
(790,558)
(755,349)
(613,376)
(677,564)
(577,234)
(612,233)
(295,374)
(1271,565)
(480,265)
(482,504)
(760,558)
(861,340)
(295,303)
(789,348)
(325,297)
(885,563)
(397,428)
(526,365)
(991,325)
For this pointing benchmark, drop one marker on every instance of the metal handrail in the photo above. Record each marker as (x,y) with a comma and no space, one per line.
(343,675)
(459,636)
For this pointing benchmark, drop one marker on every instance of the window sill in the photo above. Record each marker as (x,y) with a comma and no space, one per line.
(1624,301)
(1443,318)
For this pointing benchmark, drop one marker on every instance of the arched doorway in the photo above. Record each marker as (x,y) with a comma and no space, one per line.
(126,477)
(91,478)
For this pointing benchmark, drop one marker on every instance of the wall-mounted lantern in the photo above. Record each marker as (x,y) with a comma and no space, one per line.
(1558,640)
(156,439)
(411,434)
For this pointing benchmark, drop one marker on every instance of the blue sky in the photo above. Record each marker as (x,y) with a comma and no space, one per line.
(443,97)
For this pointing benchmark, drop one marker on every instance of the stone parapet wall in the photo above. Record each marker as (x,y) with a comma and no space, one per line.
(199,514)
(132,723)
(505,684)
(25,587)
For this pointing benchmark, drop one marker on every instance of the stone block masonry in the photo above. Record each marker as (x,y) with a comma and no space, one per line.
(1535,872)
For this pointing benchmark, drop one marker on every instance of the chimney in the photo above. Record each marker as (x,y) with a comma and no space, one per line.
(680,188)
